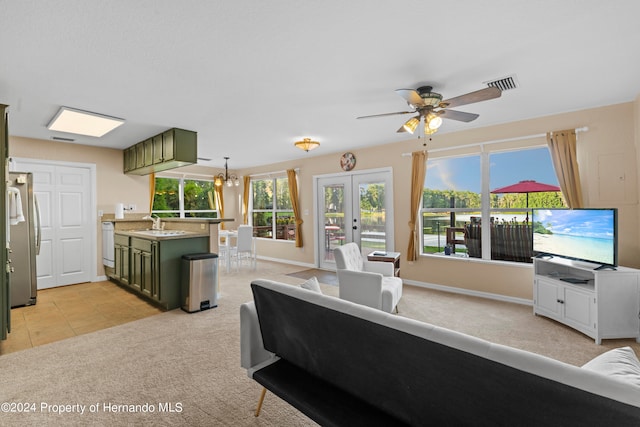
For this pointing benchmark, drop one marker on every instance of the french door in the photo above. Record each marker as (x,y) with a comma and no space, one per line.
(354,207)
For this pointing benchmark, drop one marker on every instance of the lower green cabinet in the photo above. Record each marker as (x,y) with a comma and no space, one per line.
(121,261)
(152,268)
(142,265)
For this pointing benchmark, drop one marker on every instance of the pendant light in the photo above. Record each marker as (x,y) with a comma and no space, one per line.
(230,180)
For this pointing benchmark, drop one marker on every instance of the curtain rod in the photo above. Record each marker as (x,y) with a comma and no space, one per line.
(253,175)
(495,141)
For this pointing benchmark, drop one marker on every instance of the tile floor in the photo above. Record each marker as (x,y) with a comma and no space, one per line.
(67,311)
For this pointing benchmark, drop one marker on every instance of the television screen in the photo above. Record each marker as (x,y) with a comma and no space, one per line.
(581,234)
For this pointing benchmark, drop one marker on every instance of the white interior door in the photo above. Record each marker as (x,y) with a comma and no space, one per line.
(354,207)
(67,252)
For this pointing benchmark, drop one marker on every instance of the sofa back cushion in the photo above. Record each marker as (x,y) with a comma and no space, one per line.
(417,380)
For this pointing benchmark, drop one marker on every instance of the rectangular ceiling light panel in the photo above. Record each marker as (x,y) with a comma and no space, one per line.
(83,122)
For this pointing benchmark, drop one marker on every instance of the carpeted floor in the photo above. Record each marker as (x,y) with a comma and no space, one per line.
(184,369)
(323,276)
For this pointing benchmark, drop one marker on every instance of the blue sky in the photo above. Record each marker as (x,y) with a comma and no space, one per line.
(463,173)
(585,223)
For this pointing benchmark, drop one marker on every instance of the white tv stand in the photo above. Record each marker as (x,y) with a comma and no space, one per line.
(606,306)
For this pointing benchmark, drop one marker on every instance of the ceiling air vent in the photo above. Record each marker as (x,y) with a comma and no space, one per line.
(59,138)
(505,83)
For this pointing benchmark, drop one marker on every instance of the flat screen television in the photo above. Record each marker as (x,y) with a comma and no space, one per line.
(581,234)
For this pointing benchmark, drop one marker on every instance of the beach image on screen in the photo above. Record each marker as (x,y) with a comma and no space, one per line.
(582,234)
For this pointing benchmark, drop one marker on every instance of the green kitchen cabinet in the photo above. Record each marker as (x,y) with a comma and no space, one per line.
(129,159)
(171,149)
(139,155)
(121,259)
(5,276)
(148,152)
(168,259)
(155,266)
(169,139)
(155,272)
(158,150)
(141,265)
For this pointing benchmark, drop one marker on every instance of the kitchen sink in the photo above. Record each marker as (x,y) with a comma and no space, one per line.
(161,233)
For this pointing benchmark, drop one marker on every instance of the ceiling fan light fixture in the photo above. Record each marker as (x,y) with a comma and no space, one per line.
(433,121)
(412,124)
(429,98)
(428,130)
(432,99)
(307,144)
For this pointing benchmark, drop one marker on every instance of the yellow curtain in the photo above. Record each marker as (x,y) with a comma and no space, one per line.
(212,204)
(220,203)
(562,145)
(418,172)
(293,194)
(246,181)
(152,190)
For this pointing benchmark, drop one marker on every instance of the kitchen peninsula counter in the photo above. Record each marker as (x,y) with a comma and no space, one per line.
(140,234)
(201,226)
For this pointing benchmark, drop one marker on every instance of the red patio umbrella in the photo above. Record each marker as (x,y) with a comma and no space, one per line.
(527,186)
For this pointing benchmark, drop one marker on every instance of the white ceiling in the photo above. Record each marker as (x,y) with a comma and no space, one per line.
(253,76)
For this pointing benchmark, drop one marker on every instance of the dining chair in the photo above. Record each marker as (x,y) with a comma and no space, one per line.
(245,246)
(223,249)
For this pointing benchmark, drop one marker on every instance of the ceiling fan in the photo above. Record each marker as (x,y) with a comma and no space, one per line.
(430,106)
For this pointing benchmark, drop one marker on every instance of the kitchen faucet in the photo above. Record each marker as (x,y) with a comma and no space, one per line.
(157,224)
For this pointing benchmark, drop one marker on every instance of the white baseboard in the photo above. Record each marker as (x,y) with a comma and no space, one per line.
(452,289)
(470,292)
(287,261)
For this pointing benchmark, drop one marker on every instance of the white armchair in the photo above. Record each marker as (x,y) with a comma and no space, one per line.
(365,282)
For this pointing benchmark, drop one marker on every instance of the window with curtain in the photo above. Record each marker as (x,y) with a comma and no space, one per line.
(271,211)
(455,210)
(184,198)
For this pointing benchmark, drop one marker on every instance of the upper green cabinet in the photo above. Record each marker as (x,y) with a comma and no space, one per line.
(171,149)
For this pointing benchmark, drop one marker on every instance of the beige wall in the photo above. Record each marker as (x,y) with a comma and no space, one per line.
(112,185)
(608,165)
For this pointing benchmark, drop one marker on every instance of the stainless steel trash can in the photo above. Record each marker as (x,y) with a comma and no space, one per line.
(199,282)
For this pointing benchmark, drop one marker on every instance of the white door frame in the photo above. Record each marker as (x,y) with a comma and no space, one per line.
(388,199)
(93,269)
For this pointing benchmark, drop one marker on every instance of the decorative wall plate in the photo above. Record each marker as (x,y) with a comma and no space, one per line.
(347,161)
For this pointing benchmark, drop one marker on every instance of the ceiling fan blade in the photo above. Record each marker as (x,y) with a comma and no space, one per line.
(461,116)
(472,97)
(411,96)
(386,114)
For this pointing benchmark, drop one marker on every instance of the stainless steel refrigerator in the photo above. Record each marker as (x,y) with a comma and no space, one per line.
(24,238)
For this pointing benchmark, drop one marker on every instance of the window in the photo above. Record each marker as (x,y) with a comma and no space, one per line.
(184,198)
(272,213)
(454,207)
